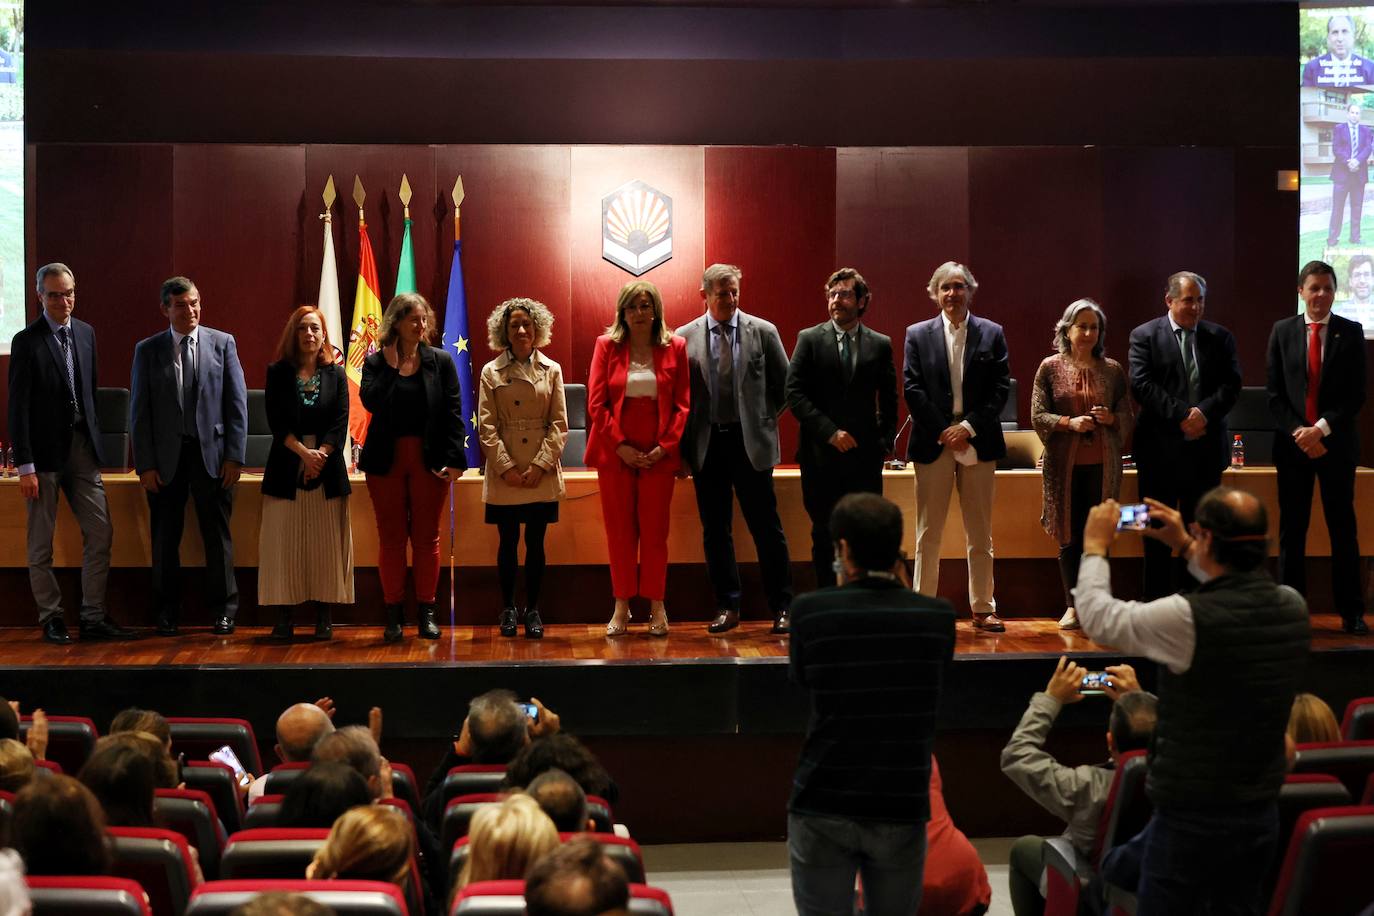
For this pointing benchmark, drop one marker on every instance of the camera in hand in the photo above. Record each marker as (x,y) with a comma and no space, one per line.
(1134,517)
(1094,681)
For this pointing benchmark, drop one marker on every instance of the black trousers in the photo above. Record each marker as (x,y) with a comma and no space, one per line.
(1296,475)
(1178,482)
(1085,491)
(824,485)
(727,469)
(167,511)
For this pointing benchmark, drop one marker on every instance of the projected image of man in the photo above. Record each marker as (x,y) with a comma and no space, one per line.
(1351,145)
(1360,283)
(1340,65)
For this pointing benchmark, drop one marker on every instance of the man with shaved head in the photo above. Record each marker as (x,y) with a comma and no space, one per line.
(1238,642)
(299,729)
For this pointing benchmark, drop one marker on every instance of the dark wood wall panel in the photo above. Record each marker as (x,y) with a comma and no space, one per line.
(771,212)
(237,213)
(1036,217)
(598,170)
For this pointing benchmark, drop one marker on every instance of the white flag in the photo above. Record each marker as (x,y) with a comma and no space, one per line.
(329,292)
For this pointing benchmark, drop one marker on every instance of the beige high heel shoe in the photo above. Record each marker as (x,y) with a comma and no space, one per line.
(658,619)
(620,619)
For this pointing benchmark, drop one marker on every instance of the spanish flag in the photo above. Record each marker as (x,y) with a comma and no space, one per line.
(363,341)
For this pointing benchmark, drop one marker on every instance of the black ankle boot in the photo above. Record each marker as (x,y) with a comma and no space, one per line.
(392,633)
(507,623)
(282,631)
(324,626)
(428,628)
(534,627)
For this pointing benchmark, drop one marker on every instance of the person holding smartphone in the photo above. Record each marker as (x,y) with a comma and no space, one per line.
(413,451)
(1080,410)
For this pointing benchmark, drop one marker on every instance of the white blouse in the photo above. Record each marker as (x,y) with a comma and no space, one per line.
(640,381)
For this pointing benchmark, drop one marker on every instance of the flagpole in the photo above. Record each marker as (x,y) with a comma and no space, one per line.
(452,519)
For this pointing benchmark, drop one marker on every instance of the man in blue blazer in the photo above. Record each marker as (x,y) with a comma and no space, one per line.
(189,427)
(956,380)
(1316,382)
(1351,144)
(738,373)
(1185,376)
(56,436)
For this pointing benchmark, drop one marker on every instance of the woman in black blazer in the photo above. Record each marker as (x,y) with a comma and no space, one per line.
(412,451)
(306,544)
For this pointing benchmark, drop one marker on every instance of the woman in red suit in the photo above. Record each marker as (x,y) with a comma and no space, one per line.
(638,396)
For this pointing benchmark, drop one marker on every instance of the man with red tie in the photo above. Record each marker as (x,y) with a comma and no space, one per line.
(1316,382)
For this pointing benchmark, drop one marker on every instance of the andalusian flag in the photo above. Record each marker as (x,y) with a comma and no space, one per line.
(362,342)
(405,271)
(456,340)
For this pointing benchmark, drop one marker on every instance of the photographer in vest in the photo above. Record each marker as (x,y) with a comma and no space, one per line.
(1236,642)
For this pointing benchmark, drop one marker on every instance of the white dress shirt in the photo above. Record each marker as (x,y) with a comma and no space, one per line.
(955,341)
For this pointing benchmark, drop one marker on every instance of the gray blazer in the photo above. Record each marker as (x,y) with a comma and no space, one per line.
(155,411)
(762,389)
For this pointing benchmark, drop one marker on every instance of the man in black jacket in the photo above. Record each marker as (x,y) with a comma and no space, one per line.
(842,388)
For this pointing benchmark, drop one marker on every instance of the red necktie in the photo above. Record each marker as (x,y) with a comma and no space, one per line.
(1314,370)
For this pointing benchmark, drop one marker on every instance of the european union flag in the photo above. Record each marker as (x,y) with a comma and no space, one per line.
(458,346)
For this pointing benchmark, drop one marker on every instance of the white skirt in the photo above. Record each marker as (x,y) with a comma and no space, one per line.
(305,550)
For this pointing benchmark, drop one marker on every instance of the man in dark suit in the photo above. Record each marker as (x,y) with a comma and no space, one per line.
(56,437)
(739,379)
(956,380)
(872,655)
(189,427)
(1351,144)
(842,388)
(1316,382)
(1185,376)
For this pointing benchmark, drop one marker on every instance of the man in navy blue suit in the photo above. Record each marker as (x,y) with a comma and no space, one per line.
(189,425)
(1351,144)
(56,435)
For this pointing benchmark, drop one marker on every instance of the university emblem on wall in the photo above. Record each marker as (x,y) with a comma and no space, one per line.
(636,227)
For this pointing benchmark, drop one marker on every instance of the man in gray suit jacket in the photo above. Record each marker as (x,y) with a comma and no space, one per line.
(189,427)
(739,377)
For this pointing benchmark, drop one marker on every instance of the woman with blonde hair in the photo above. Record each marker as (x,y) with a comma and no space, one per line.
(522,420)
(306,545)
(1312,720)
(504,840)
(366,843)
(413,449)
(638,396)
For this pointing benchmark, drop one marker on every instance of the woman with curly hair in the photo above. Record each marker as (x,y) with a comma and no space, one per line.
(522,420)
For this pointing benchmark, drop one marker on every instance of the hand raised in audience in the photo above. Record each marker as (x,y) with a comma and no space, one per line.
(1123,680)
(374,724)
(326,704)
(1065,682)
(37,740)
(547,722)
(384,779)
(1100,530)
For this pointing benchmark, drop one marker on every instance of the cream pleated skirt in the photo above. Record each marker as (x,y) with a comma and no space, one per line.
(305,550)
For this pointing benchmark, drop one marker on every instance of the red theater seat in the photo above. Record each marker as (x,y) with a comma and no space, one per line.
(52,766)
(273,852)
(404,786)
(263,812)
(158,859)
(197,737)
(191,813)
(1127,810)
(345,898)
(87,895)
(458,815)
(1358,722)
(1324,869)
(506,898)
(1349,761)
(1368,797)
(217,781)
(70,739)
(282,775)
(473,779)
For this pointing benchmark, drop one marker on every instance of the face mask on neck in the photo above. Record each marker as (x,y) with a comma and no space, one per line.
(1194,568)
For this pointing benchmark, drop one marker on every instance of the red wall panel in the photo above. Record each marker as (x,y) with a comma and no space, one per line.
(596,283)
(771,212)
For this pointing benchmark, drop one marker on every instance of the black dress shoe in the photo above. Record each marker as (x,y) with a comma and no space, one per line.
(166,626)
(105,628)
(54,630)
(324,622)
(283,631)
(725,622)
(224,625)
(509,627)
(783,622)
(393,632)
(1355,626)
(429,629)
(534,626)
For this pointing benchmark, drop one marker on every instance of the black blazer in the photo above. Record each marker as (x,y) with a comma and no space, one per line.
(40,408)
(925,383)
(284,417)
(1160,387)
(1342,390)
(866,408)
(443,438)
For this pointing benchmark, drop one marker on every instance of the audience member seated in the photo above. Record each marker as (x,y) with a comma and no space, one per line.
(1312,720)
(955,882)
(564,752)
(321,794)
(134,719)
(14,893)
(576,879)
(563,800)
(367,843)
(281,904)
(494,731)
(37,740)
(16,765)
(1073,794)
(299,729)
(504,840)
(59,829)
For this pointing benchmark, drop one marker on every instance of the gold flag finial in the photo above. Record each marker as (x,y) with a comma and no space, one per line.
(457,203)
(359,195)
(405,194)
(329,197)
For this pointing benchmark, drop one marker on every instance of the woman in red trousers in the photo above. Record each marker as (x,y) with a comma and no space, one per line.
(638,396)
(414,448)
